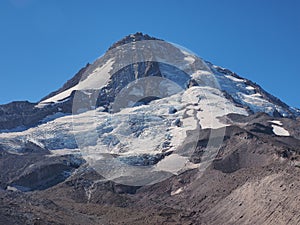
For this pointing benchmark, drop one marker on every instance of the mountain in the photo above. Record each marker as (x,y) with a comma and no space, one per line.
(150,134)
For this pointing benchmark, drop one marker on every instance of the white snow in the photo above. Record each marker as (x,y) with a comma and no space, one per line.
(244,93)
(65,151)
(178,191)
(60,96)
(280,131)
(97,79)
(234,78)
(255,95)
(250,88)
(277,122)
(256,102)
(173,163)
(41,105)
(211,105)
(10,188)
(189,59)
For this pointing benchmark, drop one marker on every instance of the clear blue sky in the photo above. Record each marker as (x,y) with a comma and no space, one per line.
(44,43)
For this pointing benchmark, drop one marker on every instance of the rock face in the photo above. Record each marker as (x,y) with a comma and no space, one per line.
(17,116)
(35,170)
(253,177)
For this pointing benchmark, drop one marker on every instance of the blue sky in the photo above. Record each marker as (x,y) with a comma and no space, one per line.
(44,43)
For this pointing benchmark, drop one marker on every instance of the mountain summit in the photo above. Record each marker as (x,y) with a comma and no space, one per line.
(138,36)
(155,135)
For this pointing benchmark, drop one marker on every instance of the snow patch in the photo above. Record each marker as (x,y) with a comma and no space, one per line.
(10,188)
(173,163)
(250,88)
(96,80)
(61,152)
(210,104)
(234,78)
(178,191)
(277,122)
(189,59)
(280,131)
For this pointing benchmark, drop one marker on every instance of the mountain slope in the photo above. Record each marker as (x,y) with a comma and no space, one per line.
(150,134)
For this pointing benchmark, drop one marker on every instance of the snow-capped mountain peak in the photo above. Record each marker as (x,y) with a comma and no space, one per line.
(139,55)
(138,111)
(150,122)
(138,36)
